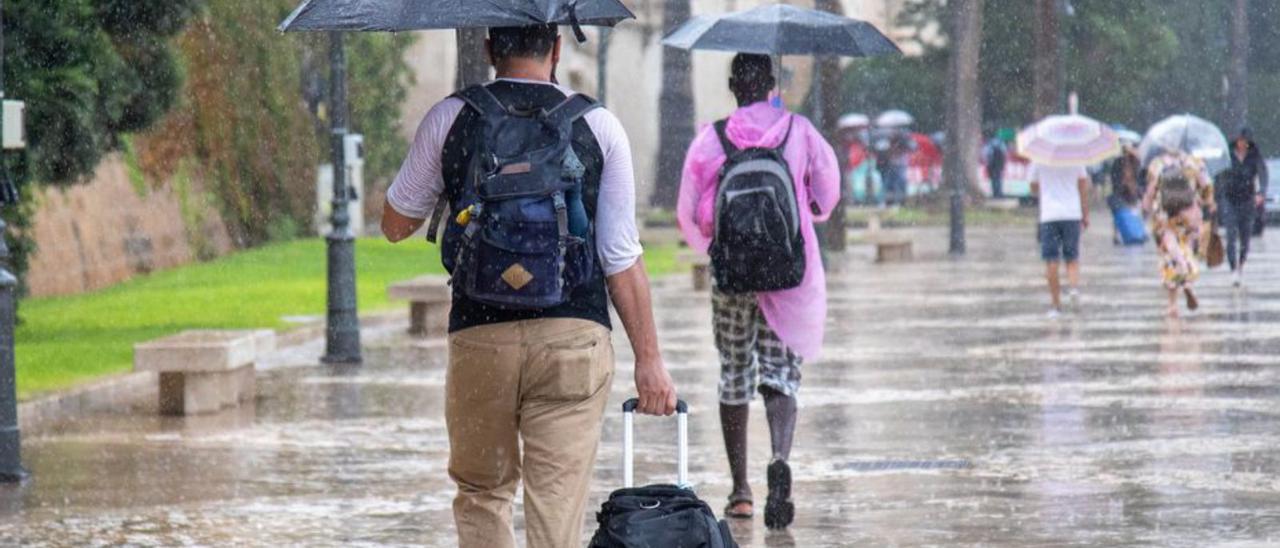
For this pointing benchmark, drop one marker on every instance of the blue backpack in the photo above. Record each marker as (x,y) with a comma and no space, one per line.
(520,237)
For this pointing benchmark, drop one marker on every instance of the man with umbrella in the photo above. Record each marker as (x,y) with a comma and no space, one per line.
(1060,147)
(527,386)
(762,337)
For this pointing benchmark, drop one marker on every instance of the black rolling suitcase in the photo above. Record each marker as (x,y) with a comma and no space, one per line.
(661,515)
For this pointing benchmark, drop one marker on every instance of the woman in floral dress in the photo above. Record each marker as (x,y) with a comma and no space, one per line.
(1177,224)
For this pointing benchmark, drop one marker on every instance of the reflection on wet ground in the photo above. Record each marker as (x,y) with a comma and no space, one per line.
(947,411)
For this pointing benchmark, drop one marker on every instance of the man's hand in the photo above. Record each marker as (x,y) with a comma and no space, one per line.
(1084,222)
(1258,200)
(656,389)
(629,290)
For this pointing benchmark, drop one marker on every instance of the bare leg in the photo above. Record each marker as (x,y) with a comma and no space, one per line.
(1172,310)
(1055,285)
(1073,274)
(733,423)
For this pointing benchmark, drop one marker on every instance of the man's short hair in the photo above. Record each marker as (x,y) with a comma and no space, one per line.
(526,42)
(752,74)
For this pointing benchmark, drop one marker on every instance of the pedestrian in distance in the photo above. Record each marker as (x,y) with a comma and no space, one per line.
(994,155)
(1178,191)
(1063,193)
(541,234)
(752,187)
(1242,195)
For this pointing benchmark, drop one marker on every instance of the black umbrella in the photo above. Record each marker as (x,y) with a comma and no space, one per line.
(781,29)
(404,15)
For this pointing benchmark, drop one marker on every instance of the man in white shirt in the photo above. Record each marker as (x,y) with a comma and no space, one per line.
(1064,213)
(526,388)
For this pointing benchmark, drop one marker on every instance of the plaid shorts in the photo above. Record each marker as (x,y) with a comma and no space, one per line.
(751,355)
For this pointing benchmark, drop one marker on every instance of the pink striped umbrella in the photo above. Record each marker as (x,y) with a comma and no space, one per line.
(1068,140)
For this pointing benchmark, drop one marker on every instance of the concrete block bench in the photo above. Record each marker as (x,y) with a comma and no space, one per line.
(893,249)
(699,267)
(430,299)
(204,371)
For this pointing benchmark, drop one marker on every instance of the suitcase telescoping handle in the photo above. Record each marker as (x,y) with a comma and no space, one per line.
(628,442)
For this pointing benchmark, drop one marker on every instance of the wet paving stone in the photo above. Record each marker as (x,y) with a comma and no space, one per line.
(947,410)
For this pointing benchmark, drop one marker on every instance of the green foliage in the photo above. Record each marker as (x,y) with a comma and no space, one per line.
(909,83)
(242,117)
(87,75)
(67,340)
(378,79)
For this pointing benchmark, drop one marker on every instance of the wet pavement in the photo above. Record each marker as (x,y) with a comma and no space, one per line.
(947,411)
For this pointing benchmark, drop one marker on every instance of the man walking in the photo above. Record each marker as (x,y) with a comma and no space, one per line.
(1064,213)
(762,336)
(530,359)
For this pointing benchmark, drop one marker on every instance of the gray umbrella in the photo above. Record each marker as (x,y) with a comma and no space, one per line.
(404,15)
(780,29)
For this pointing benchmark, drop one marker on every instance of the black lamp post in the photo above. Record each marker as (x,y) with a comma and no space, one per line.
(11,470)
(342,333)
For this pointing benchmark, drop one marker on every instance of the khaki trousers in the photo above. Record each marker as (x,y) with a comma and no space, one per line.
(525,399)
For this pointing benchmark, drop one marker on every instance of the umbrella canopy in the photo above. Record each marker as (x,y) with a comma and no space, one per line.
(894,118)
(1188,134)
(1068,140)
(853,120)
(780,29)
(405,15)
(1129,136)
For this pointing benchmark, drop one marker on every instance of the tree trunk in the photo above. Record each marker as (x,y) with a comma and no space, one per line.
(473,65)
(675,110)
(1238,78)
(964,110)
(827,82)
(1046,62)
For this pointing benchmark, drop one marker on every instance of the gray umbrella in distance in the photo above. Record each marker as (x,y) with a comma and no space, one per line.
(406,15)
(780,29)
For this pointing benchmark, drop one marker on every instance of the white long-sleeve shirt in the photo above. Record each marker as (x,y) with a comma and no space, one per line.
(420,183)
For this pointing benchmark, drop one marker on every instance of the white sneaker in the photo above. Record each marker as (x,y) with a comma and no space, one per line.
(1238,278)
(1053,314)
(1074,295)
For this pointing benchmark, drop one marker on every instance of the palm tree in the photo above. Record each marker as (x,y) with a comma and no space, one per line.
(1045,62)
(827,83)
(964,110)
(675,110)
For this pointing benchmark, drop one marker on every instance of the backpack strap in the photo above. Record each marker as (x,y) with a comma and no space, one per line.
(782,147)
(573,108)
(479,98)
(729,148)
(437,214)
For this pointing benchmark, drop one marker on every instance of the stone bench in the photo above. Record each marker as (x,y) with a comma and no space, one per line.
(893,249)
(430,299)
(699,267)
(204,371)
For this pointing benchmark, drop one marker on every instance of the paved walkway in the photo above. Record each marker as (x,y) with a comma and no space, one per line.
(947,411)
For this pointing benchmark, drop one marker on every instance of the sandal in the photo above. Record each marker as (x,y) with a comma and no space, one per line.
(779,511)
(731,510)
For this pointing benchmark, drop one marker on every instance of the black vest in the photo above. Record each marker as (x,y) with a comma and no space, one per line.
(590,300)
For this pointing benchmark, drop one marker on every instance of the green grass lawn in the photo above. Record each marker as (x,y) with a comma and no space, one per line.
(64,341)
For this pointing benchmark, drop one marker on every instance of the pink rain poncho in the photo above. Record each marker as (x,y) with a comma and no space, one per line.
(797,315)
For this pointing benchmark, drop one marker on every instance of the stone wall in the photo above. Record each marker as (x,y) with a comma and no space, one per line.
(107,230)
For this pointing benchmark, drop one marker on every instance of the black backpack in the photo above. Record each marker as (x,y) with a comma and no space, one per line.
(658,516)
(757,244)
(520,238)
